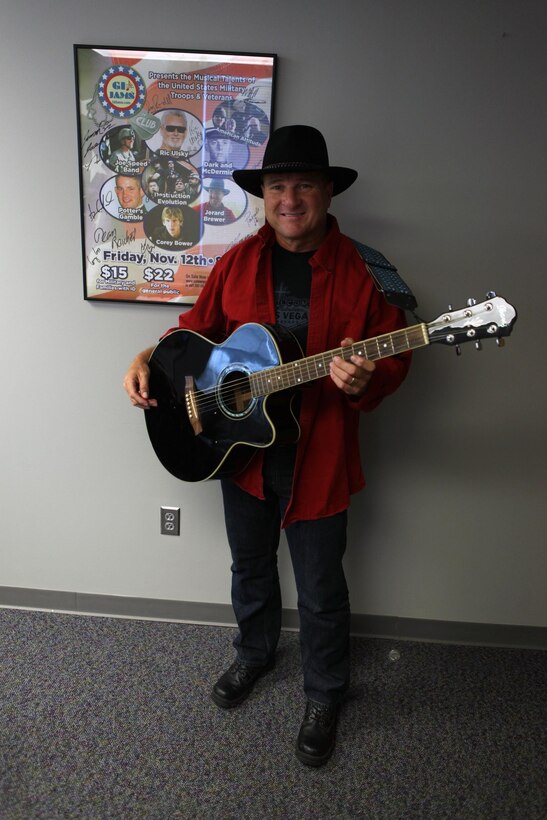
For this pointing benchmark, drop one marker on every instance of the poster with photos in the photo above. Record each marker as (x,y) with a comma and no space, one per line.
(160,133)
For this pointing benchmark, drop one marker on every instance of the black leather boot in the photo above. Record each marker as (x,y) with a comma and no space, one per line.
(317,734)
(237,682)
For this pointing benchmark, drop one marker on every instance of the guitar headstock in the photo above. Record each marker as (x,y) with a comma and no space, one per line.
(492,319)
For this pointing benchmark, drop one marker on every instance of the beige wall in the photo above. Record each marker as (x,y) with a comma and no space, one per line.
(439,104)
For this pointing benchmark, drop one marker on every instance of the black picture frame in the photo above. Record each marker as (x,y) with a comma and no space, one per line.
(159,134)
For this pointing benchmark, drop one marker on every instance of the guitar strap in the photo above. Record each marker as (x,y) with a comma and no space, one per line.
(386,277)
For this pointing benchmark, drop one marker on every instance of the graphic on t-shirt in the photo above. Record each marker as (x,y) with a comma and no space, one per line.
(292,286)
(291,311)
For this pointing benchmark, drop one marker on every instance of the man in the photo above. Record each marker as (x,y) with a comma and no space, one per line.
(218,147)
(253,131)
(172,175)
(179,229)
(240,115)
(153,186)
(130,195)
(214,212)
(173,131)
(172,224)
(219,117)
(188,188)
(123,158)
(299,257)
(193,185)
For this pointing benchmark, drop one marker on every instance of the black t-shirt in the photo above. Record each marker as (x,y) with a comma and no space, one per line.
(292,286)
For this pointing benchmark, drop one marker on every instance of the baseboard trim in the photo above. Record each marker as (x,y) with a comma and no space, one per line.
(374,626)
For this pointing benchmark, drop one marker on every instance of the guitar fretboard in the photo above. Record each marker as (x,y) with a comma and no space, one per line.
(301,371)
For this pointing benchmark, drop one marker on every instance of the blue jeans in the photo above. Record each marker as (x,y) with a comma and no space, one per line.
(316,549)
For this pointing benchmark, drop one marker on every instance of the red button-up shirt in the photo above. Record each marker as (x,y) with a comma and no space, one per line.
(343,302)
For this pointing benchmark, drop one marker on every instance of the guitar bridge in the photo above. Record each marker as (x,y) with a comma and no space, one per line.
(191,405)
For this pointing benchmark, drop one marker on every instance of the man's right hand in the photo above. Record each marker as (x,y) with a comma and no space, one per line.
(136,380)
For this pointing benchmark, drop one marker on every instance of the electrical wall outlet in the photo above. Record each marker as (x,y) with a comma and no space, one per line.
(170,520)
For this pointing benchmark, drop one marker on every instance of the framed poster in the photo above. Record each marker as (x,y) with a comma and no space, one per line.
(160,133)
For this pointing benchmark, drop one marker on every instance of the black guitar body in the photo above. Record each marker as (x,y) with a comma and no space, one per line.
(233,424)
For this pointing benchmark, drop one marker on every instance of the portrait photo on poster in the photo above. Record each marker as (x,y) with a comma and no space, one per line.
(160,134)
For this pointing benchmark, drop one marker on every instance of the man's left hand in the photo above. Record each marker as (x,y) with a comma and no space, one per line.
(353,376)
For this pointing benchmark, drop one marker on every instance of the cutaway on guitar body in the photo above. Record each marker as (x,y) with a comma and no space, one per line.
(212,416)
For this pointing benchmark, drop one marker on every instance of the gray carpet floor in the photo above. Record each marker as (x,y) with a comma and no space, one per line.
(111,718)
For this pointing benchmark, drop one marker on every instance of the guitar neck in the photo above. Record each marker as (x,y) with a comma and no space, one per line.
(305,370)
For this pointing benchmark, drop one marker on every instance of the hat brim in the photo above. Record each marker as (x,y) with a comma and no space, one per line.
(251,181)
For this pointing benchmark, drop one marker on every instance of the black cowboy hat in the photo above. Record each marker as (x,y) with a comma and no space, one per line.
(295,148)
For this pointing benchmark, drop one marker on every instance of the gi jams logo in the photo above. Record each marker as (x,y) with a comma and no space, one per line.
(121,91)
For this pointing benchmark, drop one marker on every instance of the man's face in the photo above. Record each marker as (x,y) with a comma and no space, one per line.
(215,197)
(129,192)
(173,131)
(127,143)
(173,226)
(219,149)
(296,206)
(153,187)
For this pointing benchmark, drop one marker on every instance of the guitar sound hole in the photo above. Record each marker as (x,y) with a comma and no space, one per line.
(235,397)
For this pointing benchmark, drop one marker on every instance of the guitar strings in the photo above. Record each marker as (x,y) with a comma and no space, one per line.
(208,399)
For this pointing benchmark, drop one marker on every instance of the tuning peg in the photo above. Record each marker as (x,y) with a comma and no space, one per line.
(471,302)
(491,294)
(500,342)
(458,350)
(478,345)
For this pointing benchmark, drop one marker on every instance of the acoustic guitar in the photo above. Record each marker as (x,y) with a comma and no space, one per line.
(218,403)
